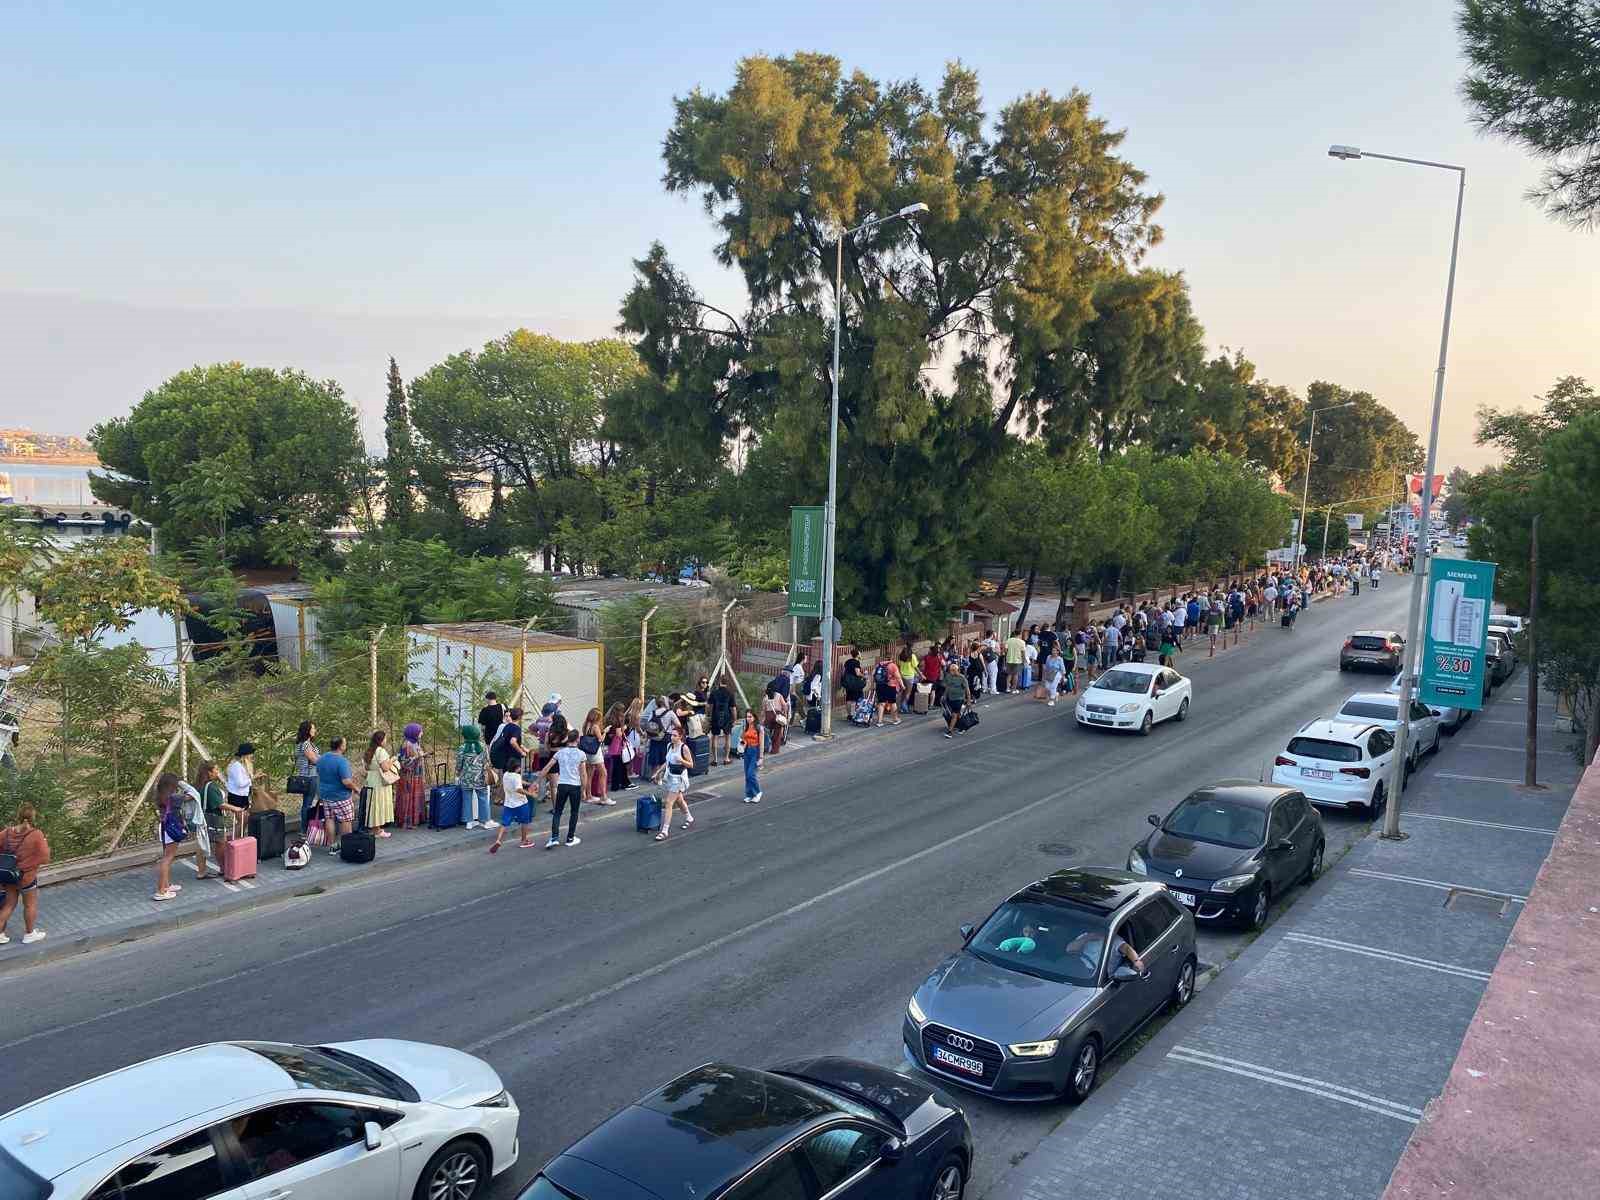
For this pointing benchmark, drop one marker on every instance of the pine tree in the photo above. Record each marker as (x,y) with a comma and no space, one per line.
(397,466)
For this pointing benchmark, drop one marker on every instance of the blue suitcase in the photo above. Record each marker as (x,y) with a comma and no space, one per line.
(647,814)
(444,806)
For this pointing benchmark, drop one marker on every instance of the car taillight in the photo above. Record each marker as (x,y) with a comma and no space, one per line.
(1348,642)
(1283,760)
(1391,646)
(1358,772)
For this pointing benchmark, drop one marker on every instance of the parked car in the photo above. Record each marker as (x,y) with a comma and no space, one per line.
(1338,764)
(1373,648)
(1033,1001)
(1228,848)
(819,1127)
(1450,717)
(367,1120)
(1380,708)
(1501,651)
(1135,696)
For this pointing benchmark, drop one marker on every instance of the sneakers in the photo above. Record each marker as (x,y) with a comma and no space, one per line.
(1050,704)
(756,799)
(29,939)
(4,937)
(491,824)
(472,824)
(948,734)
(574,841)
(552,843)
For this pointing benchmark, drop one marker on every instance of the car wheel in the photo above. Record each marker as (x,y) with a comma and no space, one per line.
(1085,1070)
(1314,867)
(1183,710)
(1183,990)
(1379,800)
(1344,666)
(458,1172)
(1147,724)
(950,1180)
(1258,911)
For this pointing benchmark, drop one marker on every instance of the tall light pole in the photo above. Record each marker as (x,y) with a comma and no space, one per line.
(830,518)
(1305,488)
(1391,817)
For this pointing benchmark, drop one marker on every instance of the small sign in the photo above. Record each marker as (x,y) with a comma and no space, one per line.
(1352,521)
(805,560)
(1460,595)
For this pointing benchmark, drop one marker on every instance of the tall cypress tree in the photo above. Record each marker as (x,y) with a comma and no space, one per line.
(399,453)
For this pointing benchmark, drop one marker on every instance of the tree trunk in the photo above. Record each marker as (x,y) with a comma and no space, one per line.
(1027,596)
(1061,606)
(1011,573)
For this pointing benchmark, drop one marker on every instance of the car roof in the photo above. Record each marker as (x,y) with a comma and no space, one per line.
(1135,668)
(59,1131)
(1103,889)
(1332,730)
(1372,698)
(701,1130)
(1247,792)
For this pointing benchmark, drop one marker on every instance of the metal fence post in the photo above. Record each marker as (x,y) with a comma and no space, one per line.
(644,645)
(372,659)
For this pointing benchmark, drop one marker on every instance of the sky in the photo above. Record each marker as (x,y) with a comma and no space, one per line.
(323,185)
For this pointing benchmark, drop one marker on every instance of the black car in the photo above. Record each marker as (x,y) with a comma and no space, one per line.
(830,1127)
(1226,850)
(1042,991)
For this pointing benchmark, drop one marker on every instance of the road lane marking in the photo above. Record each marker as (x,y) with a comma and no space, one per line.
(1546,749)
(1485,824)
(1299,1083)
(1435,883)
(1409,960)
(1478,778)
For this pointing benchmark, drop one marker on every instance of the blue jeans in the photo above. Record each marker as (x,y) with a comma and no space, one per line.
(752,786)
(476,803)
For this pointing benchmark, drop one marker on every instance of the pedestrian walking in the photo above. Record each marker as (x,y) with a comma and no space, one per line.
(1080,647)
(750,748)
(336,787)
(678,761)
(19,882)
(775,717)
(382,774)
(172,832)
(955,698)
(885,688)
(472,776)
(907,666)
(411,790)
(1054,668)
(490,717)
(516,808)
(572,771)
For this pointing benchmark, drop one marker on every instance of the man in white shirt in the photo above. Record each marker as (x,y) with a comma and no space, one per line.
(569,766)
(518,810)
(1180,616)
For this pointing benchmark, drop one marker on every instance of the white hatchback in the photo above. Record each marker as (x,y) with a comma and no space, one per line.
(368,1120)
(1135,696)
(1380,708)
(1338,764)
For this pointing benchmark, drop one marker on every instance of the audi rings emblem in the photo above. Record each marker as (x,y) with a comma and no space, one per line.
(960,1043)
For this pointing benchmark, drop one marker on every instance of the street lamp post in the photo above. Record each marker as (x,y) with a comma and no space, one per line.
(1391,818)
(830,517)
(1305,488)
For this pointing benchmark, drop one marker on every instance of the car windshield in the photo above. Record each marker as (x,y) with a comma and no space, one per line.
(1372,710)
(1207,819)
(1050,941)
(1134,682)
(1308,747)
(19,1182)
(323,1068)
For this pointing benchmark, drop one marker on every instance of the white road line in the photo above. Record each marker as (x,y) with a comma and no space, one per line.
(1440,884)
(1382,1108)
(1408,960)
(1485,824)
(1496,721)
(1196,1052)
(1478,778)
(1544,748)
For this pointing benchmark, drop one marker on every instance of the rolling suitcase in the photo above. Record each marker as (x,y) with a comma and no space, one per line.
(647,814)
(444,803)
(268,831)
(863,712)
(359,846)
(922,698)
(238,859)
(700,752)
(814,720)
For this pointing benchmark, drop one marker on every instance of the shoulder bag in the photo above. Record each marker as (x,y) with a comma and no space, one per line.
(10,871)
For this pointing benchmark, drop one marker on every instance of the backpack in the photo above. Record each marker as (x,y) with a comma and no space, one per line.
(880,674)
(499,751)
(541,727)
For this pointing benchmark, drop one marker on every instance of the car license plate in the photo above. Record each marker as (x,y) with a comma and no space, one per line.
(970,1065)
(1099,719)
(1314,773)
(1184,898)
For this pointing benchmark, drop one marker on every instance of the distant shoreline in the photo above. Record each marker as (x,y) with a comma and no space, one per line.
(59,460)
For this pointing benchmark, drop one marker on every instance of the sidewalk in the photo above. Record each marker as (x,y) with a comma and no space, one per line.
(1306,1067)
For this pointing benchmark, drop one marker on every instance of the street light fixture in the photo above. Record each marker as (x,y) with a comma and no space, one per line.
(830,518)
(1305,489)
(1391,819)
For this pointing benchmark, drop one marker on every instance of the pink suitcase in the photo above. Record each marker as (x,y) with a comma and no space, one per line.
(238,858)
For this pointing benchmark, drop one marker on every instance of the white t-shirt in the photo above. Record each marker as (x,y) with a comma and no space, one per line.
(570,762)
(1180,616)
(238,779)
(511,781)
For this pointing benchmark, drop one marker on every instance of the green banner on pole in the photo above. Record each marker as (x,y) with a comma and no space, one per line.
(1460,595)
(805,561)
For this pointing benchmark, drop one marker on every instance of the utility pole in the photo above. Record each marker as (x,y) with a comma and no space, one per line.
(1530,769)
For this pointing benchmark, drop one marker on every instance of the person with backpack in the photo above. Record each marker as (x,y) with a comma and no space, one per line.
(171,832)
(679,760)
(490,717)
(654,724)
(472,777)
(885,689)
(721,710)
(29,850)
(591,741)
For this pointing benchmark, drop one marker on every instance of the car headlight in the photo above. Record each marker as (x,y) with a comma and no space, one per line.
(1035,1049)
(1130,708)
(1233,883)
(914,1011)
(503,1100)
(1136,864)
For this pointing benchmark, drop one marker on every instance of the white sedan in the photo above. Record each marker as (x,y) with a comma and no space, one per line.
(1134,696)
(1450,717)
(368,1120)
(1380,708)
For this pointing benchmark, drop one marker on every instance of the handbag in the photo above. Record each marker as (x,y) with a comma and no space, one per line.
(627,753)
(315,833)
(10,870)
(590,745)
(300,785)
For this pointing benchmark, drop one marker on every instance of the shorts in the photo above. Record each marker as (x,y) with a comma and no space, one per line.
(23,890)
(339,810)
(520,814)
(951,709)
(677,781)
(721,728)
(887,694)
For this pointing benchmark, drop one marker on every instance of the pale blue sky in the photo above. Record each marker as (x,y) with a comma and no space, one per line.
(324,184)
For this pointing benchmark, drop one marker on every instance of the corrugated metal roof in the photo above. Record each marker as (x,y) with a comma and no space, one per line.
(504,635)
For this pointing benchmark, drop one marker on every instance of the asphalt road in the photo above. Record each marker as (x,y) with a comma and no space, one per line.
(587,976)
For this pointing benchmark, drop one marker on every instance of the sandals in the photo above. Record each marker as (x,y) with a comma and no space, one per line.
(662,836)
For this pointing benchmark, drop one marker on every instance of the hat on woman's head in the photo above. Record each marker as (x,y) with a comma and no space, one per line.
(555,698)
(246,749)
(413,731)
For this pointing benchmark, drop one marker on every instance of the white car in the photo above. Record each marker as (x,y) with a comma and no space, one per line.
(368,1120)
(1135,696)
(1450,717)
(1380,708)
(1338,764)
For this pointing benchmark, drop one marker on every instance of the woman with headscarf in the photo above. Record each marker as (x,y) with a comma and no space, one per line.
(472,777)
(382,774)
(411,791)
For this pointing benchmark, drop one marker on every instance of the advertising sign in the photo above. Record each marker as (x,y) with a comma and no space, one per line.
(1460,594)
(805,561)
(1352,521)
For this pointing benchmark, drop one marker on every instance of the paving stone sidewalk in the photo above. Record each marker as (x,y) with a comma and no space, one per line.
(1307,1064)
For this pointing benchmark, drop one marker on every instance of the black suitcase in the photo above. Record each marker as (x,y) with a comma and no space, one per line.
(359,846)
(1287,620)
(814,720)
(268,830)
(700,749)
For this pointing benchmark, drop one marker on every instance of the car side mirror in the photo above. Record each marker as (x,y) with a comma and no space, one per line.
(893,1151)
(966,933)
(1283,845)
(1154,820)
(1125,973)
(374,1135)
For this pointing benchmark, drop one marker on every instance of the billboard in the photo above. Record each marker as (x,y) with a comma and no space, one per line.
(1352,521)
(1460,595)
(805,561)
